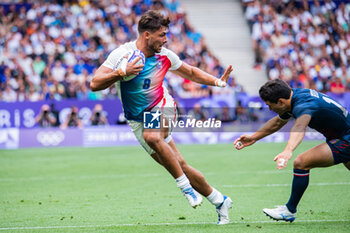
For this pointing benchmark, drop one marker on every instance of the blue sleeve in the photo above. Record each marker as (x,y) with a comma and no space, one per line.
(302,109)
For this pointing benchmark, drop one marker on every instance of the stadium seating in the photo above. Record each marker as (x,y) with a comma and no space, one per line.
(49,51)
(305,43)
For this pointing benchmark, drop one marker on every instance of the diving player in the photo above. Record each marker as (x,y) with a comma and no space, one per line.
(309,108)
(146,93)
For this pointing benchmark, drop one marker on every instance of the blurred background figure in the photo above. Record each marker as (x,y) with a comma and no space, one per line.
(73,120)
(98,116)
(241,113)
(55,113)
(45,118)
(226,115)
(337,86)
(198,113)
(121,119)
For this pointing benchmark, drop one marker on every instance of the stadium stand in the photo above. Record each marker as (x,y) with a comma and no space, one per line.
(305,43)
(227,34)
(49,50)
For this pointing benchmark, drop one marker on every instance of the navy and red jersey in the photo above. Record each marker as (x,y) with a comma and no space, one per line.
(327,116)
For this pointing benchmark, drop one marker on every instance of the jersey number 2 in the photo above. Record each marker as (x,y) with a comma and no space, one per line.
(330,101)
(146,83)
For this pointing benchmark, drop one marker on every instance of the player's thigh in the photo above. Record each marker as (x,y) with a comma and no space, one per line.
(137,129)
(318,156)
(151,135)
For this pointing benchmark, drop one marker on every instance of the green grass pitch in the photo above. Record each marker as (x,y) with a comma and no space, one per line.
(121,189)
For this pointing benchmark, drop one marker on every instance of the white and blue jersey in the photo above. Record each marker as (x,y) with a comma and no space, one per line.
(146,90)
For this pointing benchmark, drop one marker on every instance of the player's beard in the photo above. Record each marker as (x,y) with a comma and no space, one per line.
(156,48)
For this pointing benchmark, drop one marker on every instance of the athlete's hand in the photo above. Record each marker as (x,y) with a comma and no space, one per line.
(282,159)
(132,68)
(224,78)
(244,141)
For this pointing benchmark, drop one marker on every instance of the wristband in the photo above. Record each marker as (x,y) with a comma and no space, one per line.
(281,162)
(220,83)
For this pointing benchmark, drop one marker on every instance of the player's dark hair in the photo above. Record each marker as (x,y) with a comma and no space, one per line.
(273,90)
(152,21)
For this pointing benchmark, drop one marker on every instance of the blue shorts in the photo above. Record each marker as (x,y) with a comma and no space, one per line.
(340,149)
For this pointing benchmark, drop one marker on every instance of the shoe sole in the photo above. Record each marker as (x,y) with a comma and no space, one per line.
(195,206)
(221,224)
(286,220)
(199,204)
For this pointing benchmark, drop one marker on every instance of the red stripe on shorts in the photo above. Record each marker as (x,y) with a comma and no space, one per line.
(164,101)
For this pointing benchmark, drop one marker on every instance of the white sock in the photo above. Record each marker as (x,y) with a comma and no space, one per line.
(215,198)
(183,182)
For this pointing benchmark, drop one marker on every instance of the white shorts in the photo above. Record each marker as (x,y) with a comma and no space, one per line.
(168,108)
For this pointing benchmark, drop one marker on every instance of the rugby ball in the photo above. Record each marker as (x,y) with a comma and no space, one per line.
(131,57)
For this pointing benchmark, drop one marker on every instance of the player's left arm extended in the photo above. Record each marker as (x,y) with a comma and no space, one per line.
(199,76)
(297,134)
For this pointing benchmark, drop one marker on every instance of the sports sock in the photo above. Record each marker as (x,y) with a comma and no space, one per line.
(299,185)
(183,182)
(215,198)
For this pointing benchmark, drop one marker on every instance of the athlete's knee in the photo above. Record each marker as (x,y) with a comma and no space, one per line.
(152,138)
(299,163)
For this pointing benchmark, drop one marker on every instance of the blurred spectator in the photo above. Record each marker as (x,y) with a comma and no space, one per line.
(198,113)
(226,115)
(98,116)
(9,95)
(55,114)
(337,86)
(73,119)
(305,43)
(58,71)
(241,113)
(38,65)
(45,118)
(121,119)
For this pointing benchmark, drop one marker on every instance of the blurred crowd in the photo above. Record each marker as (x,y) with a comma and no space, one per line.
(49,116)
(50,49)
(306,43)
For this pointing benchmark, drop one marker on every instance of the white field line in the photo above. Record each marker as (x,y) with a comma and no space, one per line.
(87,177)
(281,185)
(165,224)
(116,176)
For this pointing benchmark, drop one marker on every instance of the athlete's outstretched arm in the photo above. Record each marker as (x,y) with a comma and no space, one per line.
(199,76)
(270,127)
(297,134)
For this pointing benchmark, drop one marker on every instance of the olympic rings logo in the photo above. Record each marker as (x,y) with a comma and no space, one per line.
(50,138)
